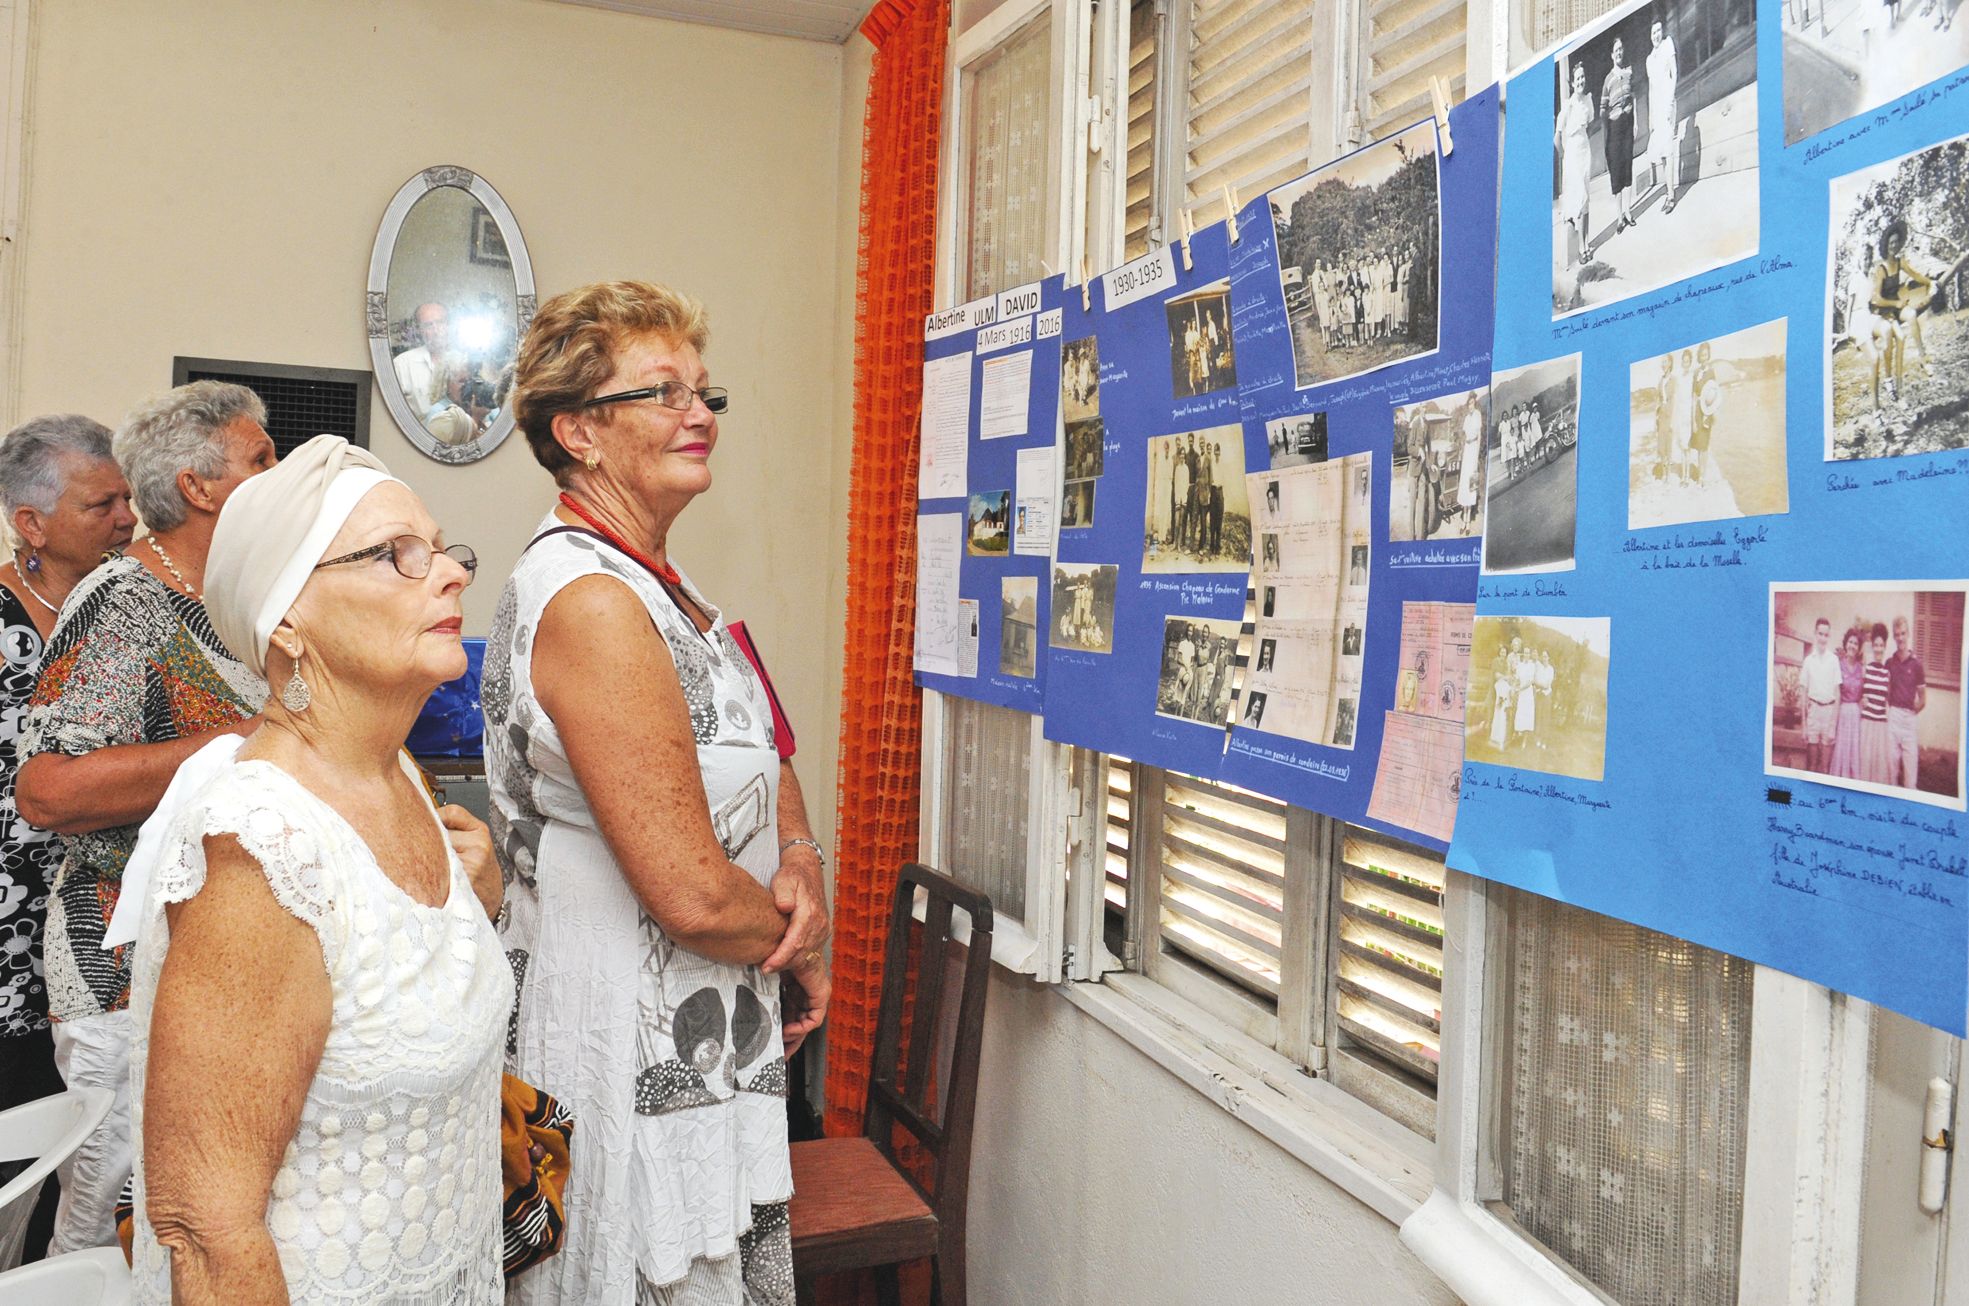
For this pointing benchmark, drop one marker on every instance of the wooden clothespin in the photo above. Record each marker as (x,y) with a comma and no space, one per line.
(1188,231)
(1439,92)
(1086,298)
(1230,211)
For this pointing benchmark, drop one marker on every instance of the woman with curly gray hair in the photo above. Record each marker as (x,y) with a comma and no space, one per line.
(134,681)
(68,506)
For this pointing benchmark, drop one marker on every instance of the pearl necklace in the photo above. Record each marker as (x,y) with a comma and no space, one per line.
(21,572)
(172,567)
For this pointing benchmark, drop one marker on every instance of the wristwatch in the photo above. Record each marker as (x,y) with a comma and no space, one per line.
(784,844)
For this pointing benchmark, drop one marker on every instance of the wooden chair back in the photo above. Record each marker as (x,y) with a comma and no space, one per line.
(906,1081)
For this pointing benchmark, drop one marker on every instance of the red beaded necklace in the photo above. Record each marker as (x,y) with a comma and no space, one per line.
(664,571)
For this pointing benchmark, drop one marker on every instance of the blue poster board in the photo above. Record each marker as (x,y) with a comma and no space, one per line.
(1653,730)
(1332,373)
(1006,353)
(1149,375)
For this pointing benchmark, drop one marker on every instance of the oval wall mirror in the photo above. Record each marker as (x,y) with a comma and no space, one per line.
(450,295)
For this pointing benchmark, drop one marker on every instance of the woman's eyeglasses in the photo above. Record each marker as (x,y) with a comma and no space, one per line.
(412,556)
(671,394)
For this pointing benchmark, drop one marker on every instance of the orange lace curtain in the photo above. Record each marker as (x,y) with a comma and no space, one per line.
(881,755)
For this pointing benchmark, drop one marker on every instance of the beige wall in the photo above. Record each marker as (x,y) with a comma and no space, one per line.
(205,177)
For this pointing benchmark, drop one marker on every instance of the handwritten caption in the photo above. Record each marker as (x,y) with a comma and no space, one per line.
(1820,844)
(1699,552)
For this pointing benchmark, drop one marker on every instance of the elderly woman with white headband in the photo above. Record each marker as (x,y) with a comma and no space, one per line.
(319,1001)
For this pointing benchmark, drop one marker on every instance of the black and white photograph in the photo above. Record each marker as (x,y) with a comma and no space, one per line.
(1296,440)
(1531,474)
(1080,379)
(1085,440)
(1897,353)
(1359,252)
(1344,713)
(1202,358)
(1538,694)
(1083,606)
(1267,653)
(1845,57)
(1268,551)
(1018,625)
(1254,710)
(988,524)
(1198,517)
(1437,491)
(1199,662)
(1706,433)
(1077,505)
(1654,150)
(1866,687)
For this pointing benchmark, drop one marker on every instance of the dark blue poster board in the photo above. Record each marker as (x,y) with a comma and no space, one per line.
(1654,732)
(1364,306)
(1010,346)
(1150,571)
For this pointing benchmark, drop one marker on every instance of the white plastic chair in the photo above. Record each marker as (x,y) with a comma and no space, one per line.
(97,1277)
(44,1133)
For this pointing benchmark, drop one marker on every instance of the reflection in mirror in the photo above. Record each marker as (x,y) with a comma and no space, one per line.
(453,308)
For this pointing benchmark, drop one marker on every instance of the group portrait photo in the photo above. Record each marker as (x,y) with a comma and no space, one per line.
(1531,477)
(1202,356)
(1198,515)
(1654,150)
(1866,687)
(1199,665)
(1359,247)
(1538,694)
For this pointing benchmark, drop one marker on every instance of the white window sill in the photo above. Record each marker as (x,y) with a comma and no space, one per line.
(1342,1139)
(1486,1263)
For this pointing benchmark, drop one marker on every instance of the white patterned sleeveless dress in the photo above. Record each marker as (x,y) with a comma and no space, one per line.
(670,1064)
(390,1192)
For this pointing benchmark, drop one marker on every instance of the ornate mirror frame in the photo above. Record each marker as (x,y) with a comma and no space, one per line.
(378,314)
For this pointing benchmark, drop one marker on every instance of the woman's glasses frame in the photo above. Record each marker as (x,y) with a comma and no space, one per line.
(406,552)
(715,397)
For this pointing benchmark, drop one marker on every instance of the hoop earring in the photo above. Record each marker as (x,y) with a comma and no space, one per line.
(295,694)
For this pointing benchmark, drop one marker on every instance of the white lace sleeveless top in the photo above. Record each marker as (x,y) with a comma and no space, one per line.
(390,1191)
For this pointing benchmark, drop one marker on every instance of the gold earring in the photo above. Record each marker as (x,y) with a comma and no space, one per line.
(591,460)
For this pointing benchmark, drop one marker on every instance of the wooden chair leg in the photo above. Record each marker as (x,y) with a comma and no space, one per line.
(947,1287)
(803,1292)
(888,1287)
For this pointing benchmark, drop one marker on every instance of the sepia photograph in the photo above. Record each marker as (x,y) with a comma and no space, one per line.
(1866,687)
(1706,432)
(1202,359)
(989,523)
(1897,353)
(1654,150)
(1198,516)
(1538,694)
(1018,625)
(1359,246)
(1845,57)
(1083,606)
(1297,440)
(1199,663)
(1077,505)
(1084,448)
(1531,478)
(1437,492)
(1080,380)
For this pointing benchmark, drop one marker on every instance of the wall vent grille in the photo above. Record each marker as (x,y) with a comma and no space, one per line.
(302,402)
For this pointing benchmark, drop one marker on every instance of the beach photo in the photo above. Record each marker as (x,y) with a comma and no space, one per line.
(1706,430)
(1866,687)
(1897,353)
(1359,252)
(1538,694)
